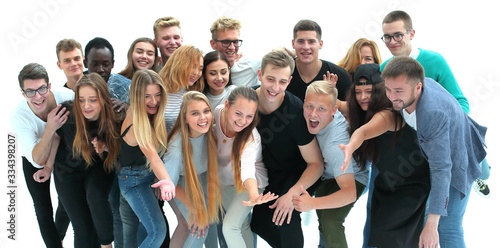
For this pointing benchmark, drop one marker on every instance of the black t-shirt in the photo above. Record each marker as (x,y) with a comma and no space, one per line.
(282,132)
(67,133)
(298,87)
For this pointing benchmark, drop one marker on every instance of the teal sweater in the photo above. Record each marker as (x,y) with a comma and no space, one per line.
(437,68)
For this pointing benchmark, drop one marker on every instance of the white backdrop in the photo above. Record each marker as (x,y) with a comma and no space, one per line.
(464,33)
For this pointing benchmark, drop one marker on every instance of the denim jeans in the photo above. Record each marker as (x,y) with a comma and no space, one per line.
(135,185)
(485,170)
(451,231)
(114,201)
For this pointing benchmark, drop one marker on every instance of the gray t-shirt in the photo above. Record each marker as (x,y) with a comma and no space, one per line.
(335,133)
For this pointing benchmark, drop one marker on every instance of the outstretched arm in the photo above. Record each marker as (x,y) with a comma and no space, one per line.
(380,123)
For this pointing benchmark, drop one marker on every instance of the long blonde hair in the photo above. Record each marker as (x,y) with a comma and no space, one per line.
(108,125)
(194,190)
(353,57)
(148,132)
(177,70)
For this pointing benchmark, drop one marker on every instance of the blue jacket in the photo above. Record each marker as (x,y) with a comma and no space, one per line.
(451,141)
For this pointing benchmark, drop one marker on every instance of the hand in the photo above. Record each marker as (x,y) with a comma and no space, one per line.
(260,199)
(284,209)
(167,188)
(331,78)
(99,146)
(302,203)
(56,119)
(201,231)
(42,175)
(429,238)
(282,48)
(157,190)
(118,105)
(347,156)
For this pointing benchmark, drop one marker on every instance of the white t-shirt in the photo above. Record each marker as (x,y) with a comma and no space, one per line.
(244,72)
(411,119)
(29,128)
(251,157)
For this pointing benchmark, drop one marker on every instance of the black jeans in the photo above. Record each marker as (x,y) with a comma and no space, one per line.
(52,232)
(84,194)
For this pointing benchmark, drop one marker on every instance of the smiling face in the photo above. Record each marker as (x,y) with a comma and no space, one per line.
(318,111)
(168,39)
(239,115)
(231,51)
(402,94)
(196,73)
(100,61)
(152,98)
(39,102)
(89,102)
(143,56)
(402,47)
(217,76)
(71,62)
(363,94)
(198,118)
(273,83)
(307,46)
(366,55)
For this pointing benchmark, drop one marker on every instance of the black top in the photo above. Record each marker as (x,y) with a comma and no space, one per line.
(67,133)
(298,87)
(130,155)
(400,191)
(282,132)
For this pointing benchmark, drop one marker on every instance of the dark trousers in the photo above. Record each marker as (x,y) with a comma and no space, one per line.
(84,194)
(287,235)
(52,232)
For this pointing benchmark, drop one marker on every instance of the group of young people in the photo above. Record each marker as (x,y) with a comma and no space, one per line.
(239,148)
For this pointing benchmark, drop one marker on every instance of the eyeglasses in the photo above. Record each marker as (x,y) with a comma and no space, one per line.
(397,37)
(31,93)
(227,43)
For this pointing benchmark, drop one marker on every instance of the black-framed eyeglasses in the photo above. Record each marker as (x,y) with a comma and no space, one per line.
(397,37)
(42,91)
(227,43)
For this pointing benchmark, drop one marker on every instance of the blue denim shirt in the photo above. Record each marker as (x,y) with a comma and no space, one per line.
(119,87)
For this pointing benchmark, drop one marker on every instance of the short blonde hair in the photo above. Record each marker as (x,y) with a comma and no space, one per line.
(165,22)
(323,88)
(222,25)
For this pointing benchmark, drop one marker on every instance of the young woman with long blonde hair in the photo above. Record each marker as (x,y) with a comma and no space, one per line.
(191,160)
(143,142)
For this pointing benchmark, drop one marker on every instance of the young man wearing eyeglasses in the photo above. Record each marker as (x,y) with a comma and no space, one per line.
(226,39)
(398,33)
(35,120)
(308,67)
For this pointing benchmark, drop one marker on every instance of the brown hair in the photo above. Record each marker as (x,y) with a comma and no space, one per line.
(67,45)
(307,25)
(107,131)
(399,15)
(278,58)
(32,71)
(130,69)
(404,65)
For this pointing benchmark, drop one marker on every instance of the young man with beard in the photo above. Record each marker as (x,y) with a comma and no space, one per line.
(454,164)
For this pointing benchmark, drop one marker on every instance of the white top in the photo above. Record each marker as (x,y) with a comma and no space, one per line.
(221,98)
(244,72)
(251,157)
(174,101)
(411,119)
(29,128)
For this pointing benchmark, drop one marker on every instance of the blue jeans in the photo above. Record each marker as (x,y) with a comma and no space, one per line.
(135,185)
(114,201)
(451,232)
(366,230)
(485,170)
